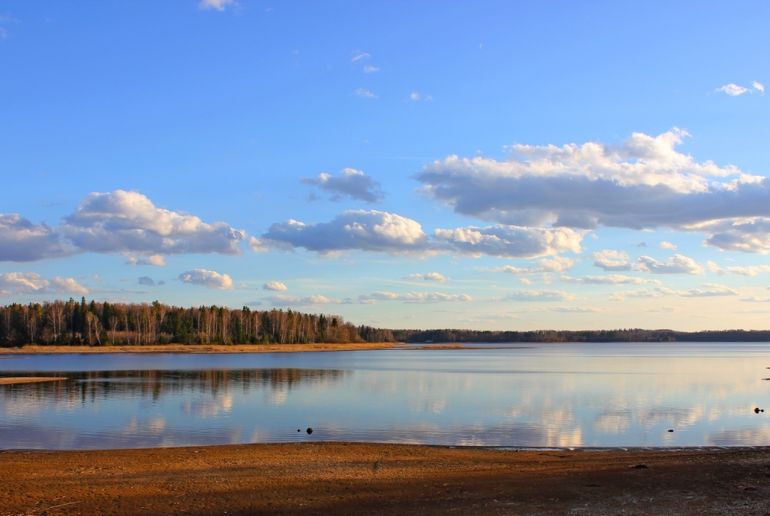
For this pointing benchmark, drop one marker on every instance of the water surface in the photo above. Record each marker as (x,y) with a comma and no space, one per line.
(538,395)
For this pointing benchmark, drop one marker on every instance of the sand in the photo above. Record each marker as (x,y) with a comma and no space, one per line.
(13,380)
(199,348)
(339,478)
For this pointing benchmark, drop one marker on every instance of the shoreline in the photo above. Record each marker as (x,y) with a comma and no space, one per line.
(350,478)
(199,348)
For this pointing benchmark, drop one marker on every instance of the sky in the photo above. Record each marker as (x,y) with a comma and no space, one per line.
(486,165)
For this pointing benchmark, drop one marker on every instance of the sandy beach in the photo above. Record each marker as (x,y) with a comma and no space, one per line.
(339,478)
(200,348)
(13,380)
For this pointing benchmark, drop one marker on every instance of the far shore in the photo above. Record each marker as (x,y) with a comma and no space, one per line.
(347,478)
(13,380)
(200,348)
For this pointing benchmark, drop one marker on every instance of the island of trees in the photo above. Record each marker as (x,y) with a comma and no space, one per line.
(101,323)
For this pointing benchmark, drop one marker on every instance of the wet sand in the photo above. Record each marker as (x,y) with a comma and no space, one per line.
(338,478)
(13,380)
(199,348)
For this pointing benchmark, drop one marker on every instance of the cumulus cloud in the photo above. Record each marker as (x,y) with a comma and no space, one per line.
(428,276)
(414,297)
(23,241)
(146,281)
(610,279)
(612,260)
(669,246)
(546,265)
(708,290)
(207,278)
(216,5)
(643,183)
(276,286)
(128,222)
(364,93)
(352,230)
(351,183)
(540,295)
(677,264)
(32,283)
(317,299)
(732,89)
(368,68)
(156,260)
(736,90)
(509,241)
(748,235)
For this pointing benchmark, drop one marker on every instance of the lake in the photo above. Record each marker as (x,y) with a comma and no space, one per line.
(523,395)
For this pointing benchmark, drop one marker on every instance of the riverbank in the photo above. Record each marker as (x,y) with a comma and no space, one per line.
(200,348)
(338,478)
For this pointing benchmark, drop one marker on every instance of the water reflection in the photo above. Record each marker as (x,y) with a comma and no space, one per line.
(543,396)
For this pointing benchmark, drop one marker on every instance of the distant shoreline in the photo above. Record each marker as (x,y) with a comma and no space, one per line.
(356,478)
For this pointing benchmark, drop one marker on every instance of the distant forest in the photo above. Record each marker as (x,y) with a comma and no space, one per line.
(625,335)
(98,324)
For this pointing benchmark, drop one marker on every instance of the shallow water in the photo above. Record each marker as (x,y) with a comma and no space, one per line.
(538,395)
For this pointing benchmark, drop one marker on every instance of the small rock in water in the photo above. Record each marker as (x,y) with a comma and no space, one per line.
(309,430)
(757,410)
(670,430)
(640,466)
(298,430)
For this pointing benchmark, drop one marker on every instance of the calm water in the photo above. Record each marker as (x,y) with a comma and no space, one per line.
(540,395)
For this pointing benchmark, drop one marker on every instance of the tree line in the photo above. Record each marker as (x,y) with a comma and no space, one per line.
(620,335)
(101,323)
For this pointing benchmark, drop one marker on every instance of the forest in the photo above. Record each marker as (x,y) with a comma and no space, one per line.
(97,324)
(101,323)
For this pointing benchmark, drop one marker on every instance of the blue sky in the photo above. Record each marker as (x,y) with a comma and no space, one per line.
(501,165)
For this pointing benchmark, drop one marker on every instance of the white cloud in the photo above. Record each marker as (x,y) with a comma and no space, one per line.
(610,279)
(416,96)
(669,246)
(677,264)
(708,290)
(351,183)
(574,310)
(216,5)
(747,235)
(509,241)
(364,93)
(612,260)
(317,299)
(359,55)
(370,68)
(23,241)
(748,270)
(414,297)
(128,222)
(156,260)
(643,183)
(351,230)
(546,265)
(758,86)
(540,295)
(32,283)
(207,278)
(732,89)
(428,276)
(275,286)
